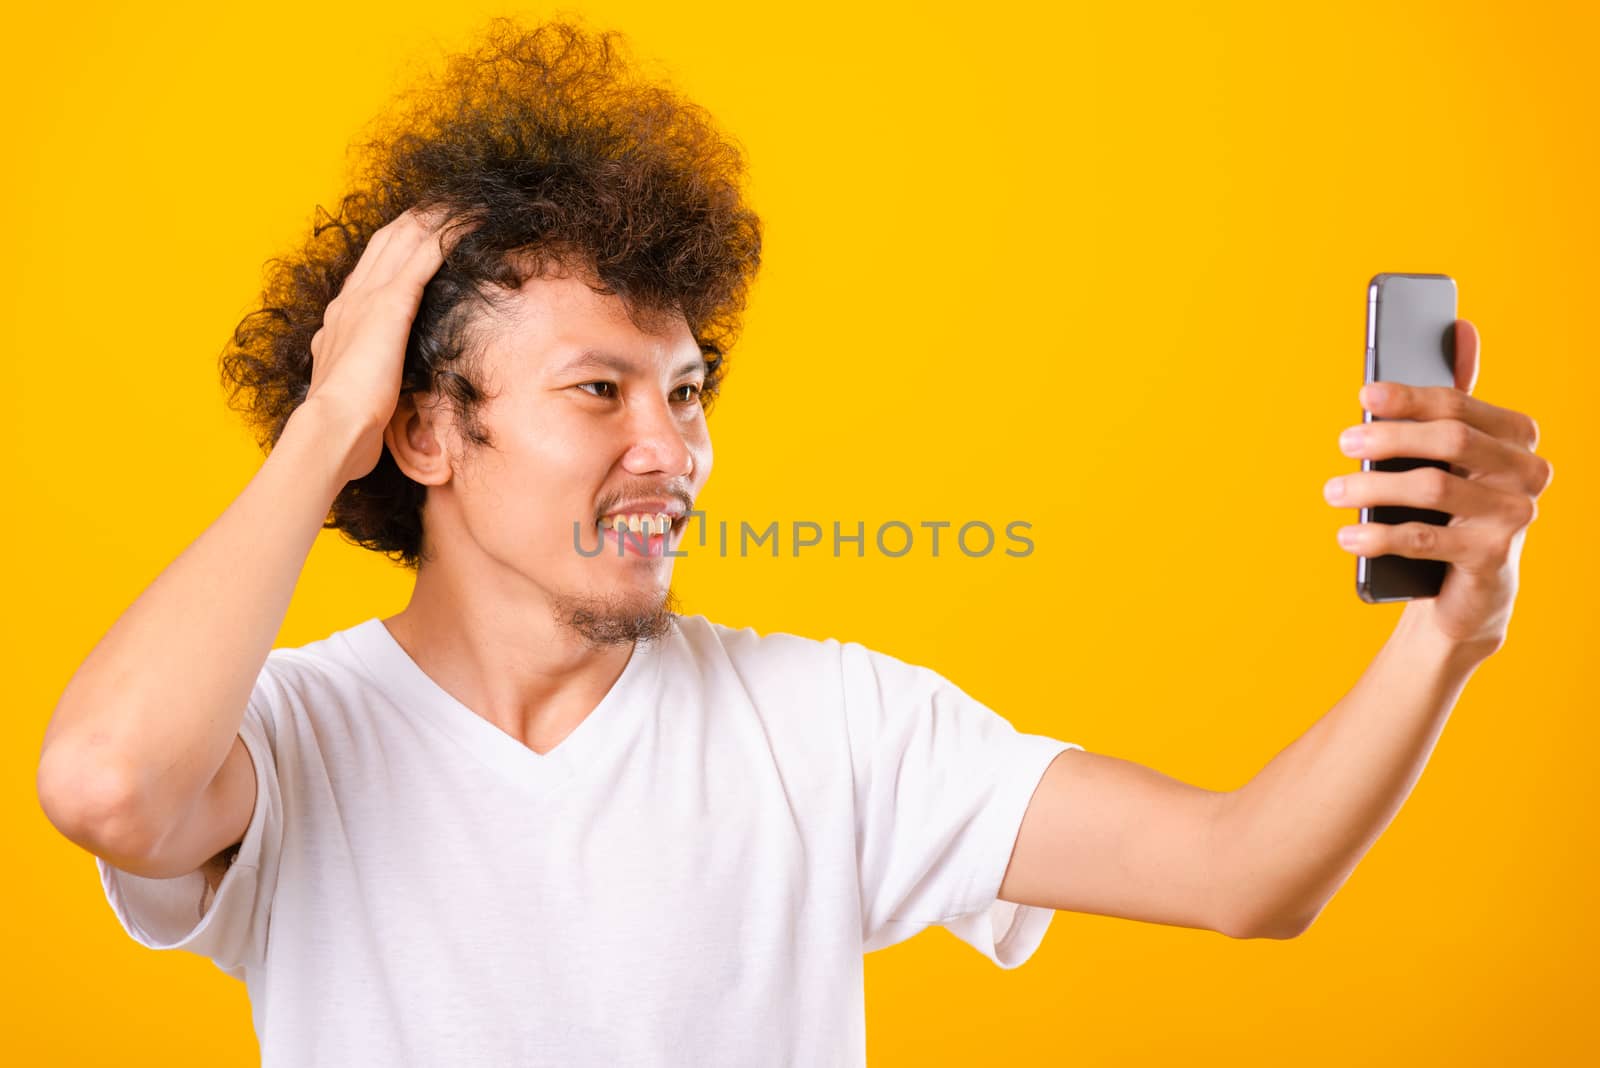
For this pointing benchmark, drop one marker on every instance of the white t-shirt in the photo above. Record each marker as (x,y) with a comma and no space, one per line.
(690,877)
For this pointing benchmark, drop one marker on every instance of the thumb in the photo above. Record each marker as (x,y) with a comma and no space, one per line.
(1466,360)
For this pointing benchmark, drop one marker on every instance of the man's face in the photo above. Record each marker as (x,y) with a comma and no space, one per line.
(591,419)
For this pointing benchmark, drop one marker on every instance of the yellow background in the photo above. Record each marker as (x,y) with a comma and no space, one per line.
(1101,270)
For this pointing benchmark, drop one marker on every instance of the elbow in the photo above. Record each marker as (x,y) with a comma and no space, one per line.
(1281,932)
(1279,926)
(93,805)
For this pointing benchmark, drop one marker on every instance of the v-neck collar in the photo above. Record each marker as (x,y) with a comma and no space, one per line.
(416,693)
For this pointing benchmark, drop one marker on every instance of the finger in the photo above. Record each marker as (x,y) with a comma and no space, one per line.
(425,258)
(1496,462)
(369,254)
(421,265)
(1472,548)
(1428,487)
(1395,400)
(1466,362)
(392,244)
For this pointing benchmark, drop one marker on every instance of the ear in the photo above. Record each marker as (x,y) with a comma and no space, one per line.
(1466,355)
(415,437)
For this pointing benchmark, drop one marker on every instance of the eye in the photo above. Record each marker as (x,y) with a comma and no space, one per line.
(612,386)
(694,393)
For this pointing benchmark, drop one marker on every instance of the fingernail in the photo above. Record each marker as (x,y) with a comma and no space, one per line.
(1334,490)
(1373,393)
(1351,440)
(1347,536)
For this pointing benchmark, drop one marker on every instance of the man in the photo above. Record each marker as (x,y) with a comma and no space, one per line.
(539,817)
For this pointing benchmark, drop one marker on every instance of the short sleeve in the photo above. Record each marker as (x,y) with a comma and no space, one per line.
(229,926)
(942,783)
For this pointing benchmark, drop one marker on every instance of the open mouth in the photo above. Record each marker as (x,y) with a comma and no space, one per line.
(640,523)
(639,533)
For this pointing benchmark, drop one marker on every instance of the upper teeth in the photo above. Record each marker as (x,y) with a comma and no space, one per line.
(639,522)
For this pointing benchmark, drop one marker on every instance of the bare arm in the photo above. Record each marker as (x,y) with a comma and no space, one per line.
(1109,836)
(1295,832)
(147,720)
(1105,835)
(141,763)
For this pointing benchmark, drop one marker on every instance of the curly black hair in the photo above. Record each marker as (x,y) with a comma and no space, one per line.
(558,153)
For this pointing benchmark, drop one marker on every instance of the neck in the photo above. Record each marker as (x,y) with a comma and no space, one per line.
(516,664)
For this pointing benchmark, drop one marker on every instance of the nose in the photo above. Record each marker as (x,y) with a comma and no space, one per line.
(659,444)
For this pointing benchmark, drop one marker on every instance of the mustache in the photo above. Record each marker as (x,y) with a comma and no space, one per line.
(671,492)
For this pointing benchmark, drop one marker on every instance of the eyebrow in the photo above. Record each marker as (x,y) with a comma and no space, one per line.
(621,365)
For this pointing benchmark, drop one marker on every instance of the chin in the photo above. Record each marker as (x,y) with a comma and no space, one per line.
(623,615)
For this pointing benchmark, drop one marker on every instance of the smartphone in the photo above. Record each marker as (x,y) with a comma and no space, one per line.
(1411,338)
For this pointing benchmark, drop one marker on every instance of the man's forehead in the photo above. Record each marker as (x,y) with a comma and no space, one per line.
(589,357)
(559,324)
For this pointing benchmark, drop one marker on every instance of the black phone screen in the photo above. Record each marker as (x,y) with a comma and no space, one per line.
(1410,339)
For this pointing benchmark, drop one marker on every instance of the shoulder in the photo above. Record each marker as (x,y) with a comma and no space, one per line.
(748,648)
(771,670)
(320,677)
(841,665)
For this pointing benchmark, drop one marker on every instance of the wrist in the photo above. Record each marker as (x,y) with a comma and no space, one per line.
(320,440)
(1419,630)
